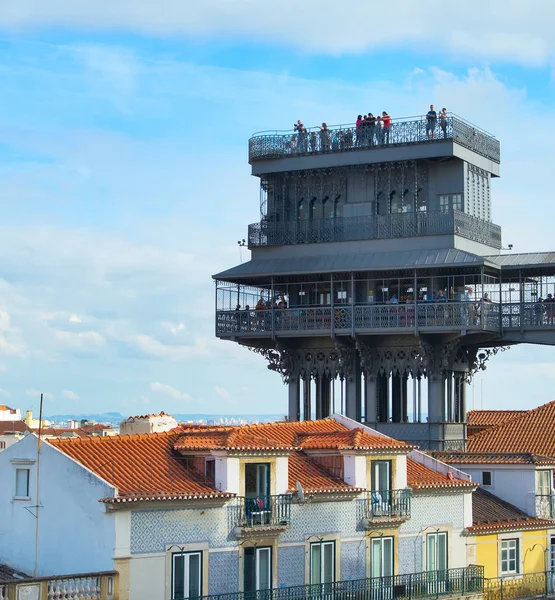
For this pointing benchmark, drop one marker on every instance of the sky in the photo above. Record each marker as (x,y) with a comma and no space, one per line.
(124,182)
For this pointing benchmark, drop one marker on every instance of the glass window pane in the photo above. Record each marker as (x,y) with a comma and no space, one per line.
(249,582)
(387,557)
(328,567)
(431,552)
(376,558)
(315,564)
(178,576)
(264,565)
(22,483)
(194,575)
(442,552)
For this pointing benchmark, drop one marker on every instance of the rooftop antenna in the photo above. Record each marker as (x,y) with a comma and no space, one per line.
(242,244)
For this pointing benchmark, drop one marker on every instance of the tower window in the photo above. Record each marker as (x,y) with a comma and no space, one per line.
(449,202)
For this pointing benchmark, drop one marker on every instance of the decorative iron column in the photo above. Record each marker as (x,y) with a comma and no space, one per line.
(294,399)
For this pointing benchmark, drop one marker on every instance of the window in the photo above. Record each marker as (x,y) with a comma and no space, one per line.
(543,483)
(210,471)
(486,477)
(322,562)
(257,480)
(509,557)
(381,475)
(436,551)
(186,575)
(22,483)
(257,569)
(449,202)
(381,557)
(2,445)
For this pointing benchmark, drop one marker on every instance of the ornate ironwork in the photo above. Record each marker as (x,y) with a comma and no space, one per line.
(344,138)
(373,227)
(482,356)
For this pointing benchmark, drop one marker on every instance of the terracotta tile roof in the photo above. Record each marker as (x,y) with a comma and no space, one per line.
(11,426)
(140,466)
(491,514)
(314,478)
(420,477)
(7,574)
(488,418)
(530,432)
(502,458)
(285,436)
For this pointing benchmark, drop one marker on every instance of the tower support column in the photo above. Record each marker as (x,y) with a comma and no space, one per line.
(436,397)
(370,398)
(353,393)
(294,399)
(307,413)
(326,396)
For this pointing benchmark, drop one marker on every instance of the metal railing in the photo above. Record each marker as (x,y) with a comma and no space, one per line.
(528,315)
(346,138)
(531,585)
(545,506)
(431,584)
(263,511)
(86,586)
(387,504)
(374,227)
(427,316)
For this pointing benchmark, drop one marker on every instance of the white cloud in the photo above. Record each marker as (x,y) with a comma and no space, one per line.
(168,390)
(5,321)
(223,393)
(70,395)
(80,339)
(174,329)
(3,368)
(506,30)
(4,394)
(35,394)
(150,346)
(75,319)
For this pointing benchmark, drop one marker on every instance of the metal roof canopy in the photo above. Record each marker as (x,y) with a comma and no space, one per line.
(528,263)
(355,262)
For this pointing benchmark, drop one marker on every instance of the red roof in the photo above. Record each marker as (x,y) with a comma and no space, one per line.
(13,426)
(138,465)
(530,432)
(420,477)
(488,418)
(491,514)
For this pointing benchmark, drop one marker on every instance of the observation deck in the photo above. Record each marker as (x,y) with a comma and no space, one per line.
(407,138)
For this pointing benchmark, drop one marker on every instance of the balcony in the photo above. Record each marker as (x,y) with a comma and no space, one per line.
(545,506)
(387,506)
(86,586)
(344,138)
(468,581)
(347,319)
(374,227)
(529,585)
(264,512)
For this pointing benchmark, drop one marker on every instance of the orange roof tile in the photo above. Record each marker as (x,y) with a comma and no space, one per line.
(501,458)
(286,435)
(139,466)
(13,426)
(488,418)
(314,478)
(530,432)
(490,514)
(420,477)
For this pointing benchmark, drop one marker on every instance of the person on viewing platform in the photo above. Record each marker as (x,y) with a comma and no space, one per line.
(386,126)
(550,308)
(443,121)
(378,127)
(358,129)
(312,141)
(325,138)
(394,299)
(441,297)
(300,129)
(282,304)
(371,128)
(260,305)
(431,121)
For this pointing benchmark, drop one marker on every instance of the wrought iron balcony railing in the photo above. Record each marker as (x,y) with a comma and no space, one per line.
(465,581)
(545,506)
(528,585)
(387,505)
(346,138)
(263,511)
(340,319)
(374,227)
(528,315)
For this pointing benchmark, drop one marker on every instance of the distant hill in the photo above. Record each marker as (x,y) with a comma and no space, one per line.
(116,417)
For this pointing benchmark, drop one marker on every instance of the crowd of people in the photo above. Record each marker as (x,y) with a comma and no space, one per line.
(369,130)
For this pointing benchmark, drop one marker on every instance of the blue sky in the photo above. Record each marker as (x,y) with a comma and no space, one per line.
(124,182)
